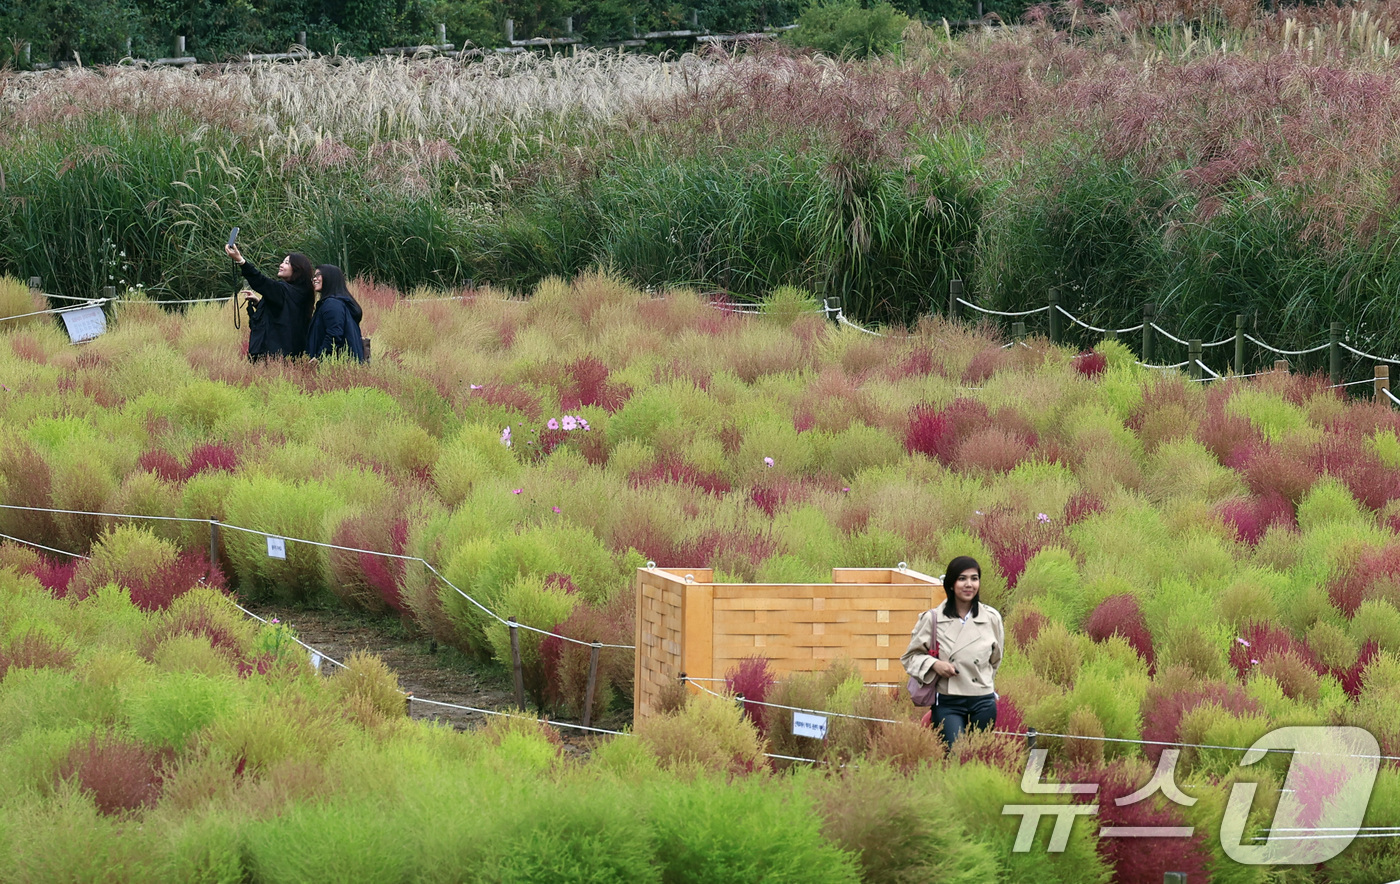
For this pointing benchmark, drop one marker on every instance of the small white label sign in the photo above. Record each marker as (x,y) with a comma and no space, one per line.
(276,548)
(805,725)
(316,661)
(84,324)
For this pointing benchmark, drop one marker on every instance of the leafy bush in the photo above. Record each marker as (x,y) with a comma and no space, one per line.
(707,734)
(121,775)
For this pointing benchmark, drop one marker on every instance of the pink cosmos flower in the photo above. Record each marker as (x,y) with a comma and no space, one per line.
(768,461)
(570,422)
(552,424)
(518,491)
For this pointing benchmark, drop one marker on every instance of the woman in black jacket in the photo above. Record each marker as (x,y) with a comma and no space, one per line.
(279,310)
(335,326)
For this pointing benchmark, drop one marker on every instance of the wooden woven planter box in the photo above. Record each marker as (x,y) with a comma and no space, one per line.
(688,624)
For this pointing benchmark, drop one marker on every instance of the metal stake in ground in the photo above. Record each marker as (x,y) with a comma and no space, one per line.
(592,683)
(515,663)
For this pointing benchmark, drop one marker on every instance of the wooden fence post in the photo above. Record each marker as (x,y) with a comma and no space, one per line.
(109,292)
(955,291)
(1382,382)
(1054,316)
(1239,343)
(1030,738)
(519,672)
(1149,313)
(442,34)
(36,285)
(1018,330)
(1193,355)
(1334,353)
(301,38)
(1281,365)
(510,31)
(592,683)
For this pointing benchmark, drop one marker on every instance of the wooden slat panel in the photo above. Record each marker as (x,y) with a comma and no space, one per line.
(860,575)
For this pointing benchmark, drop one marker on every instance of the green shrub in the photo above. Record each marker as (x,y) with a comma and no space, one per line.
(305,510)
(170,710)
(844,28)
(707,734)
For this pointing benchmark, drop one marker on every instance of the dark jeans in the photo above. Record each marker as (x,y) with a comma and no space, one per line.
(958,713)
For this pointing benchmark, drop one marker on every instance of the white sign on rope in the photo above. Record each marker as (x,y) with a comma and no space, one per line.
(316,660)
(805,725)
(276,548)
(84,324)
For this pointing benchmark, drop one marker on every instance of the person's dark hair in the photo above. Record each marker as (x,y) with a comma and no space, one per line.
(301,269)
(950,580)
(333,283)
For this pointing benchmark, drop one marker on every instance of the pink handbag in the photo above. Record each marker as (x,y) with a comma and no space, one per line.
(924,694)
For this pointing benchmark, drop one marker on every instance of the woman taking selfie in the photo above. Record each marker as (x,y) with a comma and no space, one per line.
(967,640)
(279,310)
(335,327)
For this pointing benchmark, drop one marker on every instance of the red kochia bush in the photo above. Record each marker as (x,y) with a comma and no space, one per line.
(34,650)
(1348,589)
(156,592)
(752,679)
(1176,692)
(681,472)
(1090,364)
(54,574)
(589,386)
(1140,860)
(1120,615)
(163,464)
(938,433)
(1352,460)
(1260,641)
(1251,517)
(121,775)
(212,457)
(565,663)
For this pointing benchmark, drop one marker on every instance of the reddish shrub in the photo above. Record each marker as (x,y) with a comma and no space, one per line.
(589,386)
(1082,505)
(1090,364)
(1176,692)
(803,420)
(511,396)
(1014,539)
(751,679)
(1009,717)
(992,449)
(1351,678)
(365,579)
(1025,627)
(1140,860)
(1270,471)
(198,620)
(983,365)
(1351,460)
(1230,437)
(565,663)
(938,433)
(212,457)
(917,363)
(1120,615)
(1252,517)
(156,592)
(1348,589)
(54,574)
(778,494)
(679,472)
(1262,641)
(121,775)
(34,650)
(163,464)
(28,348)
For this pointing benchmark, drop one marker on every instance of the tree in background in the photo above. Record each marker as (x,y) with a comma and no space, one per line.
(845,28)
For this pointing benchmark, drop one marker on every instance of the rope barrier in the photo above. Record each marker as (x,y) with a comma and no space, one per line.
(1163,367)
(96,302)
(579,727)
(1168,335)
(502,620)
(841,318)
(1044,309)
(1207,368)
(62,552)
(1386,391)
(1286,352)
(315,651)
(1362,354)
(1352,383)
(1093,328)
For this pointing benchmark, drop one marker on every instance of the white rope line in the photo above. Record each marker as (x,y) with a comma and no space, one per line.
(1163,367)
(1353,383)
(841,318)
(315,651)
(1386,391)
(504,621)
(61,552)
(1039,734)
(161,303)
(1286,352)
(1044,309)
(96,302)
(1094,328)
(1213,373)
(795,708)
(64,297)
(1362,354)
(548,721)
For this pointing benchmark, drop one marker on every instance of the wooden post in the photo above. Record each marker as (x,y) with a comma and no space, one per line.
(1193,355)
(1334,353)
(36,285)
(213,548)
(442,34)
(27,56)
(408,704)
(128,47)
(1054,316)
(1018,331)
(1149,315)
(1281,365)
(833,308)
(1030,738)
(955,291)
(109,292)
(177,46)
(519,672)
(1174,878)
(366,342)
(510,30)
(592,683)
(1382,382)
(569,25)
(1239,343)
(301,38)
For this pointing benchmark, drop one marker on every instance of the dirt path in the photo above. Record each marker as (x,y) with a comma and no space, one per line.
(427,670)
